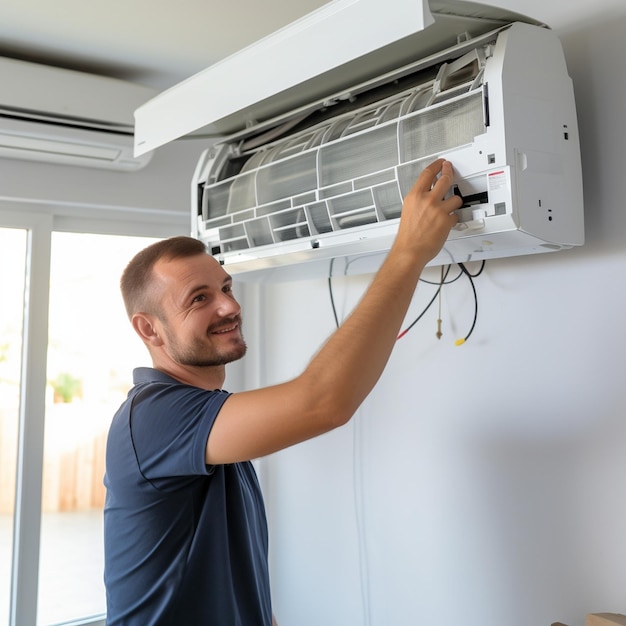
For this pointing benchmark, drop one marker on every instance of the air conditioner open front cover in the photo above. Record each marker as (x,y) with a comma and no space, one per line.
(329,181)
(295,66)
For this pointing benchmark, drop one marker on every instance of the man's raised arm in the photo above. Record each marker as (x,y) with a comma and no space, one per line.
(344,371)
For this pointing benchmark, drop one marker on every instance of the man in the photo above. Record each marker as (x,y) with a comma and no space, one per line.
(185,529)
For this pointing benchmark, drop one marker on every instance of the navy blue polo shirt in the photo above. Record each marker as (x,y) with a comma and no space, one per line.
(185,543)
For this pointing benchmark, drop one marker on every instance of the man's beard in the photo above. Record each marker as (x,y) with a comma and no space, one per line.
(196,355)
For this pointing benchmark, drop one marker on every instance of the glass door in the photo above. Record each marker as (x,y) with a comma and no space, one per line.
(25,254)
(92,350)
(66,357)
(12,283)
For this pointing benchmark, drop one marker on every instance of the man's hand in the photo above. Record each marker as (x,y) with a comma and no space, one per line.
(427,217)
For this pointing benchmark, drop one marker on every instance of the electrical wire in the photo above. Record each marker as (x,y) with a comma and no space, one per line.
(419,317)
(446,282)
(439,333)
(463,271)
(468,273)
(330,291)
(470,277)
(358,489)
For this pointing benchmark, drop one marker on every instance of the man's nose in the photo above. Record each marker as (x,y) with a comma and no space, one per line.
(227,306)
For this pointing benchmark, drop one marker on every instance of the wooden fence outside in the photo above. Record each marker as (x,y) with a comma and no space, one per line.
(74,454)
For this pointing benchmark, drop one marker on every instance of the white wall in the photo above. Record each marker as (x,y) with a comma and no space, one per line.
(479,485)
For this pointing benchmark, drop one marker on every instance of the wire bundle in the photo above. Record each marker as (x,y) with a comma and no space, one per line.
(463,271)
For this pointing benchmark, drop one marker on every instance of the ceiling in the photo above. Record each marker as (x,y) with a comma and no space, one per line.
(158,43)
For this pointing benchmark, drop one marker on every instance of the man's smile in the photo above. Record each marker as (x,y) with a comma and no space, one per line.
(229,329)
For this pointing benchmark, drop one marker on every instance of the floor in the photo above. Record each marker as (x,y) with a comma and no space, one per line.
(71,562)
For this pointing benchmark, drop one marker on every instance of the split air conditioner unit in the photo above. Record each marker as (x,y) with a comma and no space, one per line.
(63,116)
(325,179)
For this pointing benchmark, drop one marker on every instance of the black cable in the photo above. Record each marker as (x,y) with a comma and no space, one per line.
(440,284)
(330,291)
(471,277)
(445,282)
(419,317)
(478,273)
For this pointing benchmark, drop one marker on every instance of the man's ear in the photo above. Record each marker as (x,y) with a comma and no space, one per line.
(144,326)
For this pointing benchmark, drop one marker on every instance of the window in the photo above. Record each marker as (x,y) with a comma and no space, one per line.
(66,357)
(92,350)
(12,255)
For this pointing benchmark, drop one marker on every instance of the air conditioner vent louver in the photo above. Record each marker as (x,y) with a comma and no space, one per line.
(64,121)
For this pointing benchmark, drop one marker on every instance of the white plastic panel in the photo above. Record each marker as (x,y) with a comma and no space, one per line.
(343,42)
(290,56)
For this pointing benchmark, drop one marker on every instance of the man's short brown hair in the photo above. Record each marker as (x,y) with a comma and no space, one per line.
(136,278)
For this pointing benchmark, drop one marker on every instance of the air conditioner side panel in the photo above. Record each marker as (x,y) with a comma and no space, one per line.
(532,99)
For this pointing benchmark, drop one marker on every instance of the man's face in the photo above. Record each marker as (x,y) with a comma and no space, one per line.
(200,318)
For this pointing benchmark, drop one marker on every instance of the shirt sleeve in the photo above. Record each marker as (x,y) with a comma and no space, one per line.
(169,426)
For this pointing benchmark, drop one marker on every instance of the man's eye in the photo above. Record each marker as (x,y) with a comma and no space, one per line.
(199,298)
(227,288)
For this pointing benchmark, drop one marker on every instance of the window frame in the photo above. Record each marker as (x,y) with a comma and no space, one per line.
(40,220)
